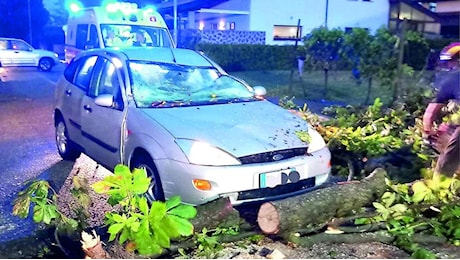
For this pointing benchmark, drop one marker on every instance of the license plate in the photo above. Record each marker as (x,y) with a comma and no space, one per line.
(272,179)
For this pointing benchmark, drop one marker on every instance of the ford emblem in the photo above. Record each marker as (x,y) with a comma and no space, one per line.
(277,157)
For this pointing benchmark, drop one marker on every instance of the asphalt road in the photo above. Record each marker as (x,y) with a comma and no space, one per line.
(27,148)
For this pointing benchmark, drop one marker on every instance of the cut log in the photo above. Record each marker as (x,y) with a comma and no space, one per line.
(320,206)
(382,236)
(217,213)
(92,246)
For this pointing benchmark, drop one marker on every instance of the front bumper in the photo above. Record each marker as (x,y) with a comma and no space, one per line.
(245,183)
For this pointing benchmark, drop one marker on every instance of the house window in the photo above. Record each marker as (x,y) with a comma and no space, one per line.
(286,32)
(232,26)
(350,29)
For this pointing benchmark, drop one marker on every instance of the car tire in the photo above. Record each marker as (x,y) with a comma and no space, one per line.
(45,64)
(66,148)
(155,191)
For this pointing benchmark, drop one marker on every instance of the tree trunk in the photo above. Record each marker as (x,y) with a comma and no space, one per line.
(219,212)
(320,206)
(382,236)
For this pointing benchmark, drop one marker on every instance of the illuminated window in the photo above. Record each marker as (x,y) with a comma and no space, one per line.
(286,32)
(222,25)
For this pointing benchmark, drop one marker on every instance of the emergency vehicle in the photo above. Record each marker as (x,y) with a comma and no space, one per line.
(114,25)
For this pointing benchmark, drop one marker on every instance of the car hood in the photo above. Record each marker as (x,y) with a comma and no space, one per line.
(239,128)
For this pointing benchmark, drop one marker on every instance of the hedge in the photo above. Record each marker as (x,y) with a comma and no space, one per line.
(249,57)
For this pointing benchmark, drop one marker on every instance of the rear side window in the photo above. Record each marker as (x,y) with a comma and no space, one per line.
(3,44)
(19,45)
(79,72)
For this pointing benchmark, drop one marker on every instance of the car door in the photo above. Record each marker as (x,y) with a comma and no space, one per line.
(103,126)
(78,78)
(5,53)
(22,54)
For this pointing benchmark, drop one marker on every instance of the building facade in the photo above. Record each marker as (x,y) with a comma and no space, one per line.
(282,22)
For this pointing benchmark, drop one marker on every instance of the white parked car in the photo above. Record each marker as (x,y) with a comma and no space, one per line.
(199,132)
(18,53)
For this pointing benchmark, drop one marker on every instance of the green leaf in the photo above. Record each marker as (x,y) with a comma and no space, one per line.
(170,227)
(143,206)
(362,221)
(101,187)
(399,208)
(115,228)
(184,211)
(173,202)
(161,237)
(388,198)
(72,223)
(184,227)
(21,206)
(124,236)
(39,213)
(134,226)
(141,182)
(48,213)
(420,191)
(157,211)
(119,218)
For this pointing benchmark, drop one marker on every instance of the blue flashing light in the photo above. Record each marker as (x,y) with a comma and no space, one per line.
(150,8)
(74,6)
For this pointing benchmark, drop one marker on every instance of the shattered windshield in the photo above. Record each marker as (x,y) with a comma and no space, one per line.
(168,85)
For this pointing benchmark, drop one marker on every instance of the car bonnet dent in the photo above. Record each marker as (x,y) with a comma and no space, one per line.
(240,128)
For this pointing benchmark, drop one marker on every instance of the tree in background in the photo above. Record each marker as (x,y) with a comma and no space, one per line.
(14,20)
(358,51)
(323,48)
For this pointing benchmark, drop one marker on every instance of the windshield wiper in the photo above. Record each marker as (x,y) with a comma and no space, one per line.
(181,103)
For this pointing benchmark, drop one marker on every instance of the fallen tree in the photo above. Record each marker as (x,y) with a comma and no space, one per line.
(308,210)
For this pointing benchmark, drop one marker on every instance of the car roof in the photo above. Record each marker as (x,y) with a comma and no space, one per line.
(7,38)
(163,55)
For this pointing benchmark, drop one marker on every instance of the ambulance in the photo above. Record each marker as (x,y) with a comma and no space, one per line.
(115,25)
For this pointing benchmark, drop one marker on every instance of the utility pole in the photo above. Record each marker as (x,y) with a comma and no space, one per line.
(402,41)
(175,22)
(30,22)
(326,13)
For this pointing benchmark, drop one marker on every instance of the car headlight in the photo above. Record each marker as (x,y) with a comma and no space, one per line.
(316,141)
(201,153)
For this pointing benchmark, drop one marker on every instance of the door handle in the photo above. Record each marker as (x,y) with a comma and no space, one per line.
(68,92)
(88,108)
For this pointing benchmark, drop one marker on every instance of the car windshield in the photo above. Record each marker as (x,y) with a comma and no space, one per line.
(168,85)
(121,35)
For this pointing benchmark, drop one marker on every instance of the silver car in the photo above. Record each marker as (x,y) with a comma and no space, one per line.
(18,53)
(199,132)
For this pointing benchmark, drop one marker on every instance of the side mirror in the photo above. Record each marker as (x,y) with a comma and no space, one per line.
(260,91)
(105,100)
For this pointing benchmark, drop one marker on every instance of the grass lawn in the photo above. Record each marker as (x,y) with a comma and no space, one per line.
(342,86)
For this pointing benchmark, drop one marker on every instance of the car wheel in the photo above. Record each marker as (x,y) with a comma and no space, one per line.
(64,145)
(45,64)
(155,191)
